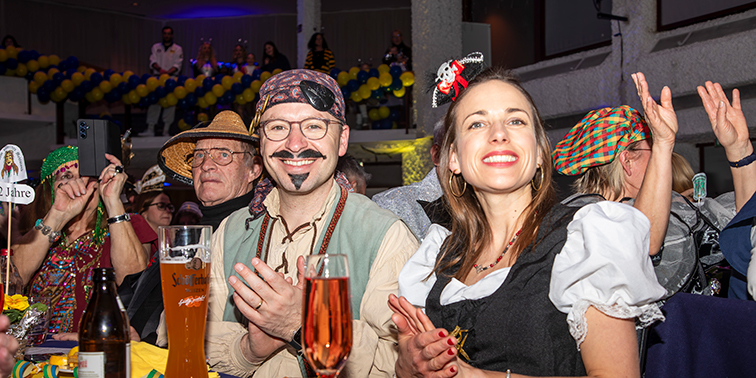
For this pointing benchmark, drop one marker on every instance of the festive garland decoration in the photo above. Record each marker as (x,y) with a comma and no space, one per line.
(53,79)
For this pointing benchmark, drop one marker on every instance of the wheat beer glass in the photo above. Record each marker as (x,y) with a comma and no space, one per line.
(327,314)
(185,275)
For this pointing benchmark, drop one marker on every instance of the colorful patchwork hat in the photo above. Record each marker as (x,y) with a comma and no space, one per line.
(598,138)
(172,156)
(305,86)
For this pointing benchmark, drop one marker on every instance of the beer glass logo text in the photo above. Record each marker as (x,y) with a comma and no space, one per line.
(192,301)
(189,279)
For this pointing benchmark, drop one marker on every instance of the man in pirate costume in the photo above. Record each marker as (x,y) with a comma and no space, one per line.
(254,321)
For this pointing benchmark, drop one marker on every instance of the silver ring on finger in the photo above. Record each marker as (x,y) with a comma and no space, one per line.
(259,305)
(118,169)
(115,174)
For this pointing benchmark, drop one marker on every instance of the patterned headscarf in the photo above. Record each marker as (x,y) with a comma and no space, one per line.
(305,86)
(598,138)
(60,160)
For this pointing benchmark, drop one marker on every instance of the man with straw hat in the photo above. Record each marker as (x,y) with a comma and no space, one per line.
(254,321)
(219,160)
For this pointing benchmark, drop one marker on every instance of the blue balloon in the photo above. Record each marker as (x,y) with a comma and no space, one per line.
(346,93)
(228,97)
(73,62)
(77,94)
(353,85)
(95,78)
(70,73)
(376,125)
(191,100)
(395,71)
(160,92)
(107,73)
(256,74)
(58,78)
(143,79)
(11,63)
(170,85)
(386,123)
(236,88)
(208,83)
(133,82)
(3,69)
(111,97)
(362,76)
(42,96)
(395,114)
(49,85)
(246,81)
(189,119)
(335,73)
(142,103)
(63,66)
(181,80)
(396,85)
(23,56)
(33,54)
(181,103)
(86,86)
(123,88)
(199,92)
(29,76)
(374,72)
(377,94)
(152,98)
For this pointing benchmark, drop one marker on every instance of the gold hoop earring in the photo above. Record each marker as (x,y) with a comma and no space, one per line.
(532,181)
(451,186)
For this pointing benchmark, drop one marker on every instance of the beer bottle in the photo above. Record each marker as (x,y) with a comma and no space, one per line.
(103,332)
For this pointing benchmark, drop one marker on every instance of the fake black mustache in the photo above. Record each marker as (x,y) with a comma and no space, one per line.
(306,154)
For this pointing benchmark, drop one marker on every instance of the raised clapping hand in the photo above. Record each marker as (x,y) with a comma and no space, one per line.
(424,350)
(273,306)
(661,118)
(727,121)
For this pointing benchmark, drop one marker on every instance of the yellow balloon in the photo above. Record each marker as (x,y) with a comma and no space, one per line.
(180,92)
(163,78)
(384,68)
(237,76)
(90,98)
(3,55)
(21,70)
(12,52)
(67,85)
(385,79)
(384,112)
(353,71)
(202,117)
(400,93)
(190,85)
(142,91)
(199,79)
(33,86)
(210,98)
(342,78)
(87,73)
(32,65)
(218,91)
(226,82)
(202,103)
(152,83)
(182,124)
(51,72)
(77,78)
(373,114)
(54,60)
(56,97)
(163,102)
(172,100)
(255,86)
(127,74)
(355,96)
(353,76)
(265,76)
(40,77)
(239,99)
(126,100)
(105,86)
(10,73)
(43,60)
(373,83)
(276,71)
(115,79)
(97,94)
(407,78)
(248,94)
(364,91)
(80,69)
(133,97)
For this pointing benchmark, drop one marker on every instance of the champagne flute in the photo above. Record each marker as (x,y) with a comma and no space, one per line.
(327,314)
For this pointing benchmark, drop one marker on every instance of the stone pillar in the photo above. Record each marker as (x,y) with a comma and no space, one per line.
(308,22)
(436,37)
(637,37)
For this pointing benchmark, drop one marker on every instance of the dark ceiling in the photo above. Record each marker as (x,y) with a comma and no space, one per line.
(174,9)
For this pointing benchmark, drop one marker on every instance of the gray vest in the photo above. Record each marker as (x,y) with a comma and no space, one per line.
(358,234)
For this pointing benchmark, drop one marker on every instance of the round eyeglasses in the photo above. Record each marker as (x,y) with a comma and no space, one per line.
(312,128)
(162,206)
(221,156)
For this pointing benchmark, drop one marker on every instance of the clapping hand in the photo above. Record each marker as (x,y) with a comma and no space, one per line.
(661,118)
(727,120)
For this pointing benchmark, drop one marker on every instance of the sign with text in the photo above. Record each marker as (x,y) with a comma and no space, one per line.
(16,193)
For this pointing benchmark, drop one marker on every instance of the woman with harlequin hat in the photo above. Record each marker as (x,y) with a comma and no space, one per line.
(519,285)
(79,224)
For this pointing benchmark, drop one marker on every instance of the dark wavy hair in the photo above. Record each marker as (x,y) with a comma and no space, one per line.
(470,230)
(311,44)
(275,51)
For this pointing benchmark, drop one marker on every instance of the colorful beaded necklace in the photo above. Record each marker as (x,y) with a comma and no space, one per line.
(479,269)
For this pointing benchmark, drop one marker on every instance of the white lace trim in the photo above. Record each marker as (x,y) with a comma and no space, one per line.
(646,315)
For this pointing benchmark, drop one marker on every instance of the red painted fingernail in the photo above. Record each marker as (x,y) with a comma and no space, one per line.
(441,334)
(450,341)
(450,351)
(452,369)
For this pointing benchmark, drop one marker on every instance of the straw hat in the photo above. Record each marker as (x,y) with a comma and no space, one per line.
(172,156)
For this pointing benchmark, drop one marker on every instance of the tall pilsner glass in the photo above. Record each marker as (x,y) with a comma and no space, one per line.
(327,314)
(185,275)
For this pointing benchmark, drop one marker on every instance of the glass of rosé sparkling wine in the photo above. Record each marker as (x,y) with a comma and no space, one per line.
(327,314)
(185,275)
